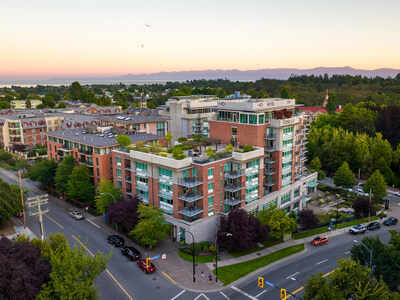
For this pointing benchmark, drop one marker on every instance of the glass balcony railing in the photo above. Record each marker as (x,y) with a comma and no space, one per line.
(190,181)
(233,174)
(190,211)
(190,196)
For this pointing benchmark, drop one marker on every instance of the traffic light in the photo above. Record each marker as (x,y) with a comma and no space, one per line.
(260,282)
(148,262)
(283,294)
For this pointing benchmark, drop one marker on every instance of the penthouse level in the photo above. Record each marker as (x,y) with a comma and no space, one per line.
(93,147)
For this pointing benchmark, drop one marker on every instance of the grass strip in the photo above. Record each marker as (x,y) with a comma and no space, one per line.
(266,244)
(198,259)
(231,273)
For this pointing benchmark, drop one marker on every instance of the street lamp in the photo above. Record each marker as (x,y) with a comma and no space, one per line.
(294,279)
(216,252)
(369,250)
(114,202)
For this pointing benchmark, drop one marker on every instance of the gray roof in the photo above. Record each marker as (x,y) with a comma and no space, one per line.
(132,119)
(97,140)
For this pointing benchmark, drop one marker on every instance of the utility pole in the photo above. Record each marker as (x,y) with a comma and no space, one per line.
(22,198)
(369,210)
(36,203)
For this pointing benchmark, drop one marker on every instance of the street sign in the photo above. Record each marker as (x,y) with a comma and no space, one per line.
(269,283)
(260,282)
(283,294)
(164,256)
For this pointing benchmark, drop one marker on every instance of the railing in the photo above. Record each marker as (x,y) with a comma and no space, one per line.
(233,174)
(271,136)
(234,187)
(190,211)
(270,183)
(128,179)
(128,168)
(270,148)
(190,181)
(190,196)
(143,198)
(269,160)
(269,171)
(231,201)
(129,192)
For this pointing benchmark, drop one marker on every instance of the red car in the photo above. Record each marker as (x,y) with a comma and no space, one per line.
(142,265)
(320,240)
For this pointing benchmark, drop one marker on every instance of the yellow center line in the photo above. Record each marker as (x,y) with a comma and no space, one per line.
(53,221)
(168,277)
(106,269)
(299,289)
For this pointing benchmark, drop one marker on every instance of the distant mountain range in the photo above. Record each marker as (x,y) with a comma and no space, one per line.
(249,75)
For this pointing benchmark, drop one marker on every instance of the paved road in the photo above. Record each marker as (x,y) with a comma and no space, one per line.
(123,280)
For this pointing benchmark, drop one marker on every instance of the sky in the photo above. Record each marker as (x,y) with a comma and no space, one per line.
(47,38)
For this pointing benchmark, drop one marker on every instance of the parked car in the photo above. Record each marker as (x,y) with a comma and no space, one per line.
(76,215)
(390,221)
(360,228)
(397,193)
(116,240)
(142,265)
(20,214)
(373,226)
(320,240)
(131,252)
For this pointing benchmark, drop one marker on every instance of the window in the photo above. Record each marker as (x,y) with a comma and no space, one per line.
(34,138)
(296,192)
(234,131)
(285,198)
(210,173)
(210,201)
(98,172)
(33,130)
(195,172)
(119,184)
(141,166)
(118,160)
(243,118)
(97,161)
(252,119)
(227,167)
(253,163)
(49,122)
(210,187)
(287,130)
(76,145)
(97,150)
(261,119)
(119,172)
(164,172)
(269,204)
(110,160)
(210,212)
(185,173)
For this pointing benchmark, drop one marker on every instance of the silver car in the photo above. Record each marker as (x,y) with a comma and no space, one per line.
(360,228)
(76,215)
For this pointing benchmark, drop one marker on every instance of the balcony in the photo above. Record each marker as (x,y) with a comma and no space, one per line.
(198,124)
(128,168)
(232,201)
(190,181)
(129,192)
(128,179)
(65,149)
(269,160)
(297,175)
(167,194)
(141,186)
(190,197)
(190,211)
(298,154)
(143,198)
(233,187)
(165,180)
(270,183)
(303,158)
(84,152)
(270,148)
(269,171)
(233,174)
(141,173)
(270,137)
(303,168)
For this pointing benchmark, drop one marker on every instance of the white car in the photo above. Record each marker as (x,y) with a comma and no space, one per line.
(397,194)
(76,215)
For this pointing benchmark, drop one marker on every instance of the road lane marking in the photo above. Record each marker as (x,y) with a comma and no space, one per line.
(243,293)
(200,296)
(292,275)
(225,296)
(53,221)
(178,294)
(167,276)
(106,269)
(261,293)
(347,252)
(322,261)
(93,223)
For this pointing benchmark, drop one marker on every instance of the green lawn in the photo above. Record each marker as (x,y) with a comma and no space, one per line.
(197,259)
(266,244)
(305,234)
(231,273)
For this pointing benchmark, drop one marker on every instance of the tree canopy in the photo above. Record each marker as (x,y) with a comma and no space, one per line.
(63,172)
(10,201)
(106,193)
(277,221)
(79,186)
(344,177)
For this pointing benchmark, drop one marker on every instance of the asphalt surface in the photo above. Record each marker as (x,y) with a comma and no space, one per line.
(124,280)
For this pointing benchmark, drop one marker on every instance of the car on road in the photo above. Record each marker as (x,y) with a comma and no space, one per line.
(360,228)
(76,215)
(373,226)
(319,240)
(390,221)
(147,269)
(116,240)
(131,252)
(397,193)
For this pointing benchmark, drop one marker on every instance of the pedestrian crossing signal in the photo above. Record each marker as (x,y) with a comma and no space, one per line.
(283,294)
(148,262)
(260,282)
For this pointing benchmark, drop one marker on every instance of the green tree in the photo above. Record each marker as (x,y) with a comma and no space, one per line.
(332,104)
(44,171)
(229,148)
(168,137)
(40,106)
(210,152)
(10,201)
(123,140)
(28,103)
(79,186)
(277,221)
(318,288)
(376,183)
(178,153)
(284,93)
(61,105)
(103,197)
(151,227)
(315,166)
(381,154)
(344,177)
(63,172)
(76,91)
(72,271)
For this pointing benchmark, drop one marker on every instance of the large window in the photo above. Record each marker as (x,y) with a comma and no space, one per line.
(210,201)
(252,119)
(119,172)
(285,198)
(296,192)
(141,166)
(287,130)
(243,118)
(252,163)
(165,172)
(261,119)
(210,173)
(210,187)
(118,160)
(269,204)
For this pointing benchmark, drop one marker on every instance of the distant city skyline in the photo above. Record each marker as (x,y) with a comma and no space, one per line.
(45,39)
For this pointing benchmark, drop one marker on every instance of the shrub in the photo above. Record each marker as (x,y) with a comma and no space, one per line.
(182,139)
(169,150)
(212,248)
(206,249)
(321,202)
(319,197)
(248,148)
(178,154)
(145,150)
(164,154)
(328,200)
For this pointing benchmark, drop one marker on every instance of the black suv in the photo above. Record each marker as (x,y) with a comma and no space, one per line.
(373,226)
(390,221)
(131,252)
(116,240)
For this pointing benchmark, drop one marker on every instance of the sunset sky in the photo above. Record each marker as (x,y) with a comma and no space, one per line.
(40,39)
